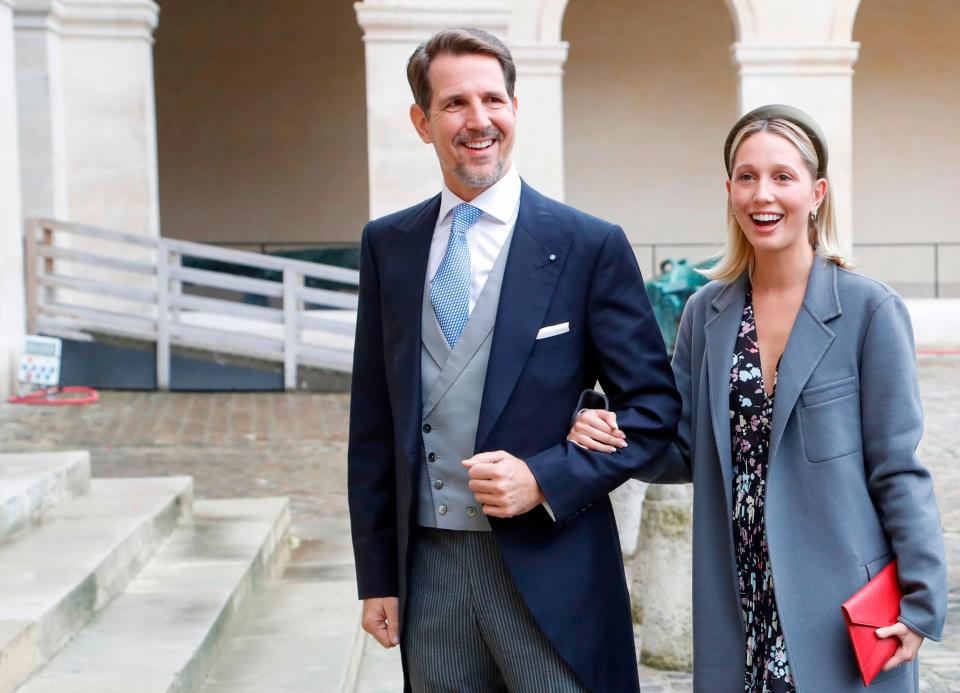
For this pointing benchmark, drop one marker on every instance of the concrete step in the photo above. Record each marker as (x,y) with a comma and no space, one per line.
(378,670)
(18,652)
(296,635)
(299,633)
(33,483)
(164,632)
(53,578)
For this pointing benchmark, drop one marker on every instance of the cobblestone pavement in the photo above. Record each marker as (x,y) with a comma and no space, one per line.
(294,445)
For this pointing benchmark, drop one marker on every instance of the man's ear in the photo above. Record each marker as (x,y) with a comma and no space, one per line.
(421,123)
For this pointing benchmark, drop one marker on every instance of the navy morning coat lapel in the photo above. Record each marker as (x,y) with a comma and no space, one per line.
(538,252)
(410,251)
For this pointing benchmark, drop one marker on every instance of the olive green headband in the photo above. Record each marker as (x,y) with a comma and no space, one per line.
(789,113)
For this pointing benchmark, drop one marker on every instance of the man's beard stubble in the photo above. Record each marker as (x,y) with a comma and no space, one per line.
(474,180)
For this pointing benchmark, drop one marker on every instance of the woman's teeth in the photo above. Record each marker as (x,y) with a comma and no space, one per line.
(761,218)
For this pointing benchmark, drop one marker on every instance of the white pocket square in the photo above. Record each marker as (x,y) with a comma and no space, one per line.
(553,330)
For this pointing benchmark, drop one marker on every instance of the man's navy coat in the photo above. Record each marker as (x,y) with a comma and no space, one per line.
(563,266)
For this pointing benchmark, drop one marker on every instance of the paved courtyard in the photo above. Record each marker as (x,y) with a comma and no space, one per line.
(295,445)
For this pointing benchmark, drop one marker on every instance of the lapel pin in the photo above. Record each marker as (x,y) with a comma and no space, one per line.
(552,257)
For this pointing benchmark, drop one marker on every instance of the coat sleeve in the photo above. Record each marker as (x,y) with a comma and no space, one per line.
(634,372)
(371,481)
(900,486)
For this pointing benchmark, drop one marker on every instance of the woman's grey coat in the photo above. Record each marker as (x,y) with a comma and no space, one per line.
(845,490)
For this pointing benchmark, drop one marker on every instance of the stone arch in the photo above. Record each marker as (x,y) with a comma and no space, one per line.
(537,20)
(762,22)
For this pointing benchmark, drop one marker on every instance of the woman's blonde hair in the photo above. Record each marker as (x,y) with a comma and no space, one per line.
(737,255)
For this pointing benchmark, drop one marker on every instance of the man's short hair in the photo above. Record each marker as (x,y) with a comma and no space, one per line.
(464,41)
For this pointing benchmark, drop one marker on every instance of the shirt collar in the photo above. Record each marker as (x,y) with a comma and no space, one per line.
(499,201)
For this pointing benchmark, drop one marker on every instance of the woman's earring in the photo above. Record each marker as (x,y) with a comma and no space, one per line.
(813,214)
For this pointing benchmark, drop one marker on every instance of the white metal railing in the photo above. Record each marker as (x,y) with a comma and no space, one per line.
(85,279)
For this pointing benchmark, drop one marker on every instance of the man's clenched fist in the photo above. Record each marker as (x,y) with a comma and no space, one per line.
(503,484)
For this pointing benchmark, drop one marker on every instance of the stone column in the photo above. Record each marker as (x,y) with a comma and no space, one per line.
(43,165)
(109,114)
(665,556)
(11,222)
(804,56)
(402,169)
(627,503)
(539,148)
(88,124)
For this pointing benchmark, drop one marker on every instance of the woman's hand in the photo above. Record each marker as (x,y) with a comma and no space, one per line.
(910,642)
(596,429)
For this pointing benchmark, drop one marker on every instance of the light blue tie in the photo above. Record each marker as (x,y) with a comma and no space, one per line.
(450,286)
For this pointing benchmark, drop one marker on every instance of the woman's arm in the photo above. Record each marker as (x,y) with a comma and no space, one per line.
(900,486)
(596,429)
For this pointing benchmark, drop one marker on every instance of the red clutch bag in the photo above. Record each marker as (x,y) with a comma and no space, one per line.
(875,605)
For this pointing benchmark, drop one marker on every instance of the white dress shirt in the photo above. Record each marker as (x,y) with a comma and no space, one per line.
(500,204)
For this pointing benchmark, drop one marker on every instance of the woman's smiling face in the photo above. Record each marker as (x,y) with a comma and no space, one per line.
(773,193)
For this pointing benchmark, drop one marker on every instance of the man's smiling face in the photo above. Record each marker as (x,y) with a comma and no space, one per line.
(471,121)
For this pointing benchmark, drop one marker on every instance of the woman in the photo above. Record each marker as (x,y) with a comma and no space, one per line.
(801,418)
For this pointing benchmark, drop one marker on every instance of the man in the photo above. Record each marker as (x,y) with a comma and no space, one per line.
(485,544)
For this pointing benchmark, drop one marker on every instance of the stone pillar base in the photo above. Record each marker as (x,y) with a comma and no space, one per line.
(665,556)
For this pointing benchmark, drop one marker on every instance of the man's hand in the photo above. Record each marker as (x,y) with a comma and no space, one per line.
(381,618)
(910,642)
(503,484)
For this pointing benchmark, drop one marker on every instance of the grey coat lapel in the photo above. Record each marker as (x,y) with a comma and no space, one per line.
(808,342)
(721,337)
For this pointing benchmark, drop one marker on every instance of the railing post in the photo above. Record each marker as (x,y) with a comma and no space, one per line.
(936,270)
(163,316)
(48,262)
(174,261)
(291,333)
(31,227)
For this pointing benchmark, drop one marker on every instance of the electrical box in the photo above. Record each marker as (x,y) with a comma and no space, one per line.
(40,361)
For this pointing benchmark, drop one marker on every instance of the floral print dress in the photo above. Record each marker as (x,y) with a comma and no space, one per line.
(751,414)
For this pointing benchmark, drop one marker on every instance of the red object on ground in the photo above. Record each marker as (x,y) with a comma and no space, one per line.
(77,395)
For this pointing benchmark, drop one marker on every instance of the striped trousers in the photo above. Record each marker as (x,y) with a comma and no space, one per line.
(466,628)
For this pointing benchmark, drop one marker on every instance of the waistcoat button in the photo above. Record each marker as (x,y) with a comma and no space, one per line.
(438,484)
(442,510)
(427,428)
(432,457)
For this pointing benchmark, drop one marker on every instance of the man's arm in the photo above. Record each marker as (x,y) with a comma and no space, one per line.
(635,374)
(371,481)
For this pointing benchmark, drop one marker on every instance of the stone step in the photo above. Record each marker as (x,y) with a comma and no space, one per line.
(18,652)
(33,483)
(378,670)
(84,552)
(164,632)
(299,633)
(296,635)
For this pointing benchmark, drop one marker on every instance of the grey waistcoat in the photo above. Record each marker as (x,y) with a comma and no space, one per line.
(452,386)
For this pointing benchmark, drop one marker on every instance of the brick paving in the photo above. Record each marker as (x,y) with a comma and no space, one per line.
(294,445)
